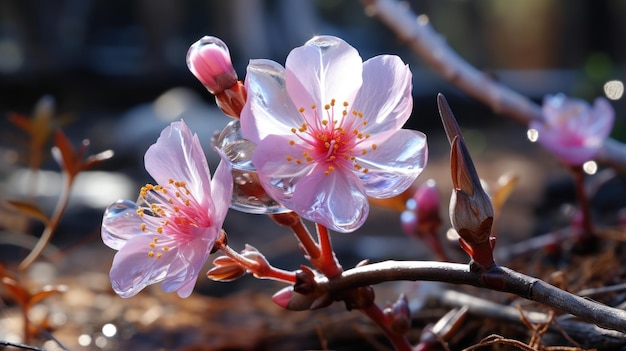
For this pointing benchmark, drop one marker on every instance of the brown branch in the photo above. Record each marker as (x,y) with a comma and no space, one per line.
(496,278)
(434,51)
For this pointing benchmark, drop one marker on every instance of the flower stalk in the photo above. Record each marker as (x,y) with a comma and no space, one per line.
(254,262)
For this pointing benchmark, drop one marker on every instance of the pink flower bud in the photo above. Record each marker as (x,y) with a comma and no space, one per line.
(209,60)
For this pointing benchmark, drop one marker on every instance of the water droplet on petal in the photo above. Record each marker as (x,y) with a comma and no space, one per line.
(120,221)
(119,208)
(324,42)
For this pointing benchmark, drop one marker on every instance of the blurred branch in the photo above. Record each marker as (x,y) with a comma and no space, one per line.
(434,51)
(586,334)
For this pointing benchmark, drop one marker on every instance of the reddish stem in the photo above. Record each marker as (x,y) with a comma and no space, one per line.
(327,262)
(52,225)
(583,201)
(260,269)
(399,342)
(305,238)
(432,240)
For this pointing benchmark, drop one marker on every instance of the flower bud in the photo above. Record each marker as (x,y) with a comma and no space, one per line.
(423,218)
(209,60)
(471,210)
(292,300)
(399,315)
(225,270)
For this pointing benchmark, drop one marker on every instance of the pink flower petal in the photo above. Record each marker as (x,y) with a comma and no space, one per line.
(385,98)
(268,101)
(324,68)
(603,118)
(335,200)
(394,165)
(278,175)
(132,268)
(222,191)
(178,155)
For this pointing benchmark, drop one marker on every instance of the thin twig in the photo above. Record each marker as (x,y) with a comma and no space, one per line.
(52,225)
(20,346)
(434,51)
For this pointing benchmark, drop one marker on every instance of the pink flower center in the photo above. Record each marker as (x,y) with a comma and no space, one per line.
(331,140)
(172,211)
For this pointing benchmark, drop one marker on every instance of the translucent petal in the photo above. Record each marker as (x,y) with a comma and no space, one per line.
(183,271)
(248,194)
(385,98)
(269,109)
(133,269)
(178,155)
(120,223)
(335,200)
(222,191)
(394,165)
(560,144)
(324,68)
(603,118)
(277,175)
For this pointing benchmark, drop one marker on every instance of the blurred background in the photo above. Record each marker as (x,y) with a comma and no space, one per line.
(99,57)
(116,72)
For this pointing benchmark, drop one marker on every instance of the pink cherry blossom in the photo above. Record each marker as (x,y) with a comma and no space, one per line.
(328,130)
(572,130)
(167,235)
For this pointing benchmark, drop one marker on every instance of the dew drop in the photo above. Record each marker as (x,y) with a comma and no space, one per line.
(324,43)
(120,208)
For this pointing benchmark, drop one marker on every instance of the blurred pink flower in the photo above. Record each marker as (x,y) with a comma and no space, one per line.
(209,60)
(572,129)
(421,217)
(168,234)
(328,130)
